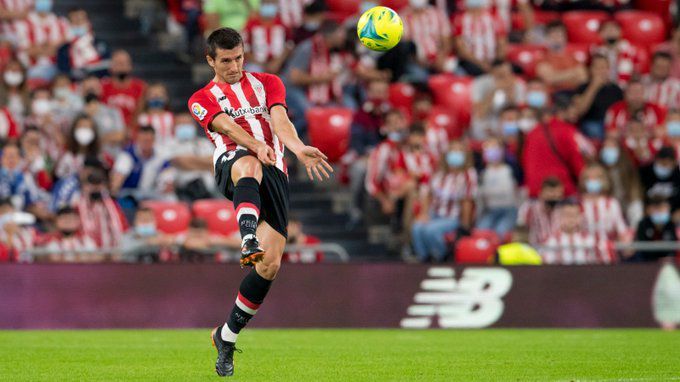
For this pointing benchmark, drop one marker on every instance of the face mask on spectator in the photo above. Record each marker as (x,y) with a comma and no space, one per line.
(593,186)
(84,135)
(418,3)
(268,10)
(41,106)
(96,196)
(61,93)
(156,103)
(68,232)
(526,124)
(552,203)
(662,171)
(185,132)
(510,128)
(611,40)
(145,230)
(396,136)
(89,97)
(455,158)
(13,78)
(121,76)
(366,5)
(493,154)
(475,3)
(312,25)
(43,6)
(673,128)
(609,155)
(660,218)
(536,99)
(79,31)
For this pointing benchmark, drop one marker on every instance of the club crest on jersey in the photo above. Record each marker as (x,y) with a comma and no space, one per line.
(235,113)
(198,110)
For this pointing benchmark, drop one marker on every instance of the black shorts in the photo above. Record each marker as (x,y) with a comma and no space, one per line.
(273,190)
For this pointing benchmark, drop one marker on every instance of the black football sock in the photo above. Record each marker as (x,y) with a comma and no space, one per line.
(247,205)
(251,293)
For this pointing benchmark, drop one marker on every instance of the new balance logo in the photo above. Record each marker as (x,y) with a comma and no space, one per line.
(473,301)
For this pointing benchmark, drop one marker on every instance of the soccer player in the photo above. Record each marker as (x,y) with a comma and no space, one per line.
(244,115)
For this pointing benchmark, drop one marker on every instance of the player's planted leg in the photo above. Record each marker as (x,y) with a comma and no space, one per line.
(225,354)
(247,204)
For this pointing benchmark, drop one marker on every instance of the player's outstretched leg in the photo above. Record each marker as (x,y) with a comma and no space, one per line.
(247,205)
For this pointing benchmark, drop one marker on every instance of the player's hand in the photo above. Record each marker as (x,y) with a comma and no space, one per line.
(315,163)
(265,154)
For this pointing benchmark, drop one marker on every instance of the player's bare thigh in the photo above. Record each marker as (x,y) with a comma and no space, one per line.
(273,244)
(246,166)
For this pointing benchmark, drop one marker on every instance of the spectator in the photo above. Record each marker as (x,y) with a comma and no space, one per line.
(498,191)
(479,38)
(68,103)
(109,120)
(633,106)
(536,216)
(121,90)
(81,142)
(428,29)
(656,226)
(184,23)
(144,242)
(572,244)
(559,69)
(369,117)
(640,142)
(83,54)
(660,88)
(70,243)
(67,190)
(156,114)
(625,181)
(37,161)
(199,243)
(267,40)
(662,178)
(672,47)
(315,73)
(490,94)
(622,55)
(228,13)
(673,130)
(101,216)
(553,149)
(13,91)
(447,204)
(42,116)
(594,98)
(313,15)
(9,128)
(512,139)
(603,213)
(191,155)
(139,172)
(16,232)
(296,236)
(15,183)
(538,94)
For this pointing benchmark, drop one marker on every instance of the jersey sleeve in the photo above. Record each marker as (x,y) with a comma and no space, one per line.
(204,109)
(276,92)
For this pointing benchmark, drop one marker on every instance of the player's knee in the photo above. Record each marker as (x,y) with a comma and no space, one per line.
(247,167)
(269,270)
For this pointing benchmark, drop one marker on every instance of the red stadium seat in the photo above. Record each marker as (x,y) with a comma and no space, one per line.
(454,93)
(643,57)
(540,18)
(171,217)
(583,26)
(394,4)
(641,28)
(329,130)
(219,215)
(343,8)
(441,116)
(487,234)
(474,250)
(660,7)
(526,57)
(581,52)
(401,96)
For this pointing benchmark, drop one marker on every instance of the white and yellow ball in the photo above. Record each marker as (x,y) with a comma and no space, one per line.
(380,28)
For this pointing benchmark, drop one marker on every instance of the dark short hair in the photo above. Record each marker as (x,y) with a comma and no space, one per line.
(666,152)
(223,38)
(498,62)
(655,200)
(663,55)
(551,182)
(198,223)
(599,56)
(554,25)
(508,108)
(608,22)
(328,27)
(315,7)
(66,210)
(417,128)
(147,129)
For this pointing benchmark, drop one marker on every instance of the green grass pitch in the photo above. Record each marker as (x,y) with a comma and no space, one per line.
(344,355)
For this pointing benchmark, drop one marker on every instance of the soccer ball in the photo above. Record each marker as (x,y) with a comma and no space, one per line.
(380,28)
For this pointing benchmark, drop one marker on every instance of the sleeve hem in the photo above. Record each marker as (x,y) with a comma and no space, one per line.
(209,124)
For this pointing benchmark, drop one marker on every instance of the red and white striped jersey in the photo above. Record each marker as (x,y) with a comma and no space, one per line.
(664,93)
(604,218)
(479,33)
(618,116)
(162,122)
(437,139)
(624,61)
(125,98)
(103,221)
(502,9)
(642,151)
(291,12)
(24,239)
(39,30)
(7,27)
(248,103)
(386,168)
(448,189)
(577,248)
(265,42)
(420,165)
(8,127)
(540,224)
(67,248)
(427,28)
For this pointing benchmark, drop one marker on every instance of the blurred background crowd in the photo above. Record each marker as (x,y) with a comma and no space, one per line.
(522,131)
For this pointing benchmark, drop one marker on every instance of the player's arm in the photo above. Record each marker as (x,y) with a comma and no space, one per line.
(223,124)
(313,159)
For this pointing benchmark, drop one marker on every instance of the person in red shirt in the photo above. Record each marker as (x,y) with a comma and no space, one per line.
(479,38)
(297,237)
(633,106)
(121,90)
(553,149)
(267,41)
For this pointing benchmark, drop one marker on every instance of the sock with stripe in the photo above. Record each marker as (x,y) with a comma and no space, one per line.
(247,205)
(251,293)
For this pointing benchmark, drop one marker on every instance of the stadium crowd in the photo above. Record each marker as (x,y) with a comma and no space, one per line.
(554,123)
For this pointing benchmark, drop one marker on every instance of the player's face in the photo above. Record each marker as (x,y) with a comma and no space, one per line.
(228,64)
